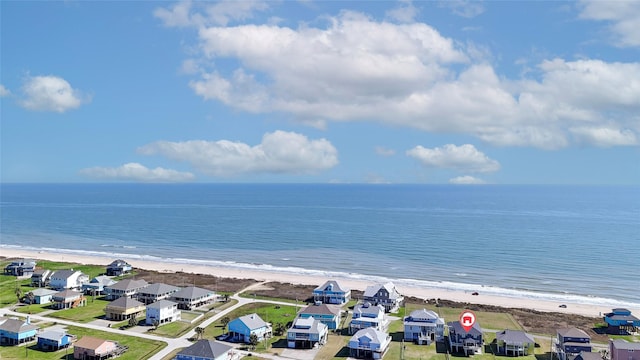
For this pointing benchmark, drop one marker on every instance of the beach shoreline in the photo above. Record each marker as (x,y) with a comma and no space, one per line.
(590,310)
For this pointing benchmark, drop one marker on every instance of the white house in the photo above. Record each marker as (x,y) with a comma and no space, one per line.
(68,279)
(423,327)
(369,343)
(163,311)
(366,315)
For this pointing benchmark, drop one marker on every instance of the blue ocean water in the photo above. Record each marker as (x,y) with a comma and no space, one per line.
(568,243)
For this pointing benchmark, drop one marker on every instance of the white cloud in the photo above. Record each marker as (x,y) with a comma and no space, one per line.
(197,14)
(409,75)
(279,152)
(50,93)
(605,137)
(464,8)
(137,172)
(4,91)
(466,180)
(404,13)
(383,151)
(462,158)
(623,18)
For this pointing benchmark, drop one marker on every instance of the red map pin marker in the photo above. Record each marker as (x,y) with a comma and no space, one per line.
(467,319)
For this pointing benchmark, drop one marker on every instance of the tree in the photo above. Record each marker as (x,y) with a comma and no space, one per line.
(133,321)
(18,293)
(280,329)
(225,321)
(155,323)
(199,332)
(30,298)
(253,341)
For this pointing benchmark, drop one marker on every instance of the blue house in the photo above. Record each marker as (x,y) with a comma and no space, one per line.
(467,342)
(327,314)
(54,340)
(332,293)
(241,329)
(15,331)
(621,322)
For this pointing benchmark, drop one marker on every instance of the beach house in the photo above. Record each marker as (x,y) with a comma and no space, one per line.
(68,279)
(156,292)
(329,315)
(207,350)
(589,356)
(514,343)
(621,349)
(118,268)
(331,292)
(307,333)
(54,340)
(241,329)
(621,322)
(163,311)
(192,297)
(96,285)
(95,348)
(16,331)
(125,288)
(368,316)
(570,342)
(41,278)
(123,308)
(68,299)
(384,294)
(462,341)
(369,343)
(21,268)
(423,327)
(42,295)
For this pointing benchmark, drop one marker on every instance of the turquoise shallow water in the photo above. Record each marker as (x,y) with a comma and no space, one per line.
(564,243)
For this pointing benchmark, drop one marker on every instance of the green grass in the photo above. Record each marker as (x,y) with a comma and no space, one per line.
(173,330)
(33,308)
(83,314)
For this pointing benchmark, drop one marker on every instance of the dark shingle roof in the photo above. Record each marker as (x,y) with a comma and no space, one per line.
(16,326)
(573,333)
(207,349)
(515,337)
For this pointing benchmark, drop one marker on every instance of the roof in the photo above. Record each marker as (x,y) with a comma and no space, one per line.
(376,336)
(335,286)
(162,304)
(63,274)
(367,308)
(159,288)
(125,302)
(573,333)
(204,348)
(56,335)
(43,292)
(102,280)
(321,309)
(458,329)
(307,325)
(622,344)
(587,355)
(192,292)
(128,284)
(88,342)
(372,291)
(515,337)
(253,321)
(66,294)
(40,272)
(16,326)
(424,315)
(118,263)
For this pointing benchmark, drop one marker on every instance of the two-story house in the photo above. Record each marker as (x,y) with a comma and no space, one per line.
(369,343)
(21,268)
(570,342)
(621,349)
(462,341)
(118,268)
(368,316)
(329,315)
(306,333)
(161,312)
(41,278)
(156,292)
(241,329)
(125,288)
(68,279)
(331,292)
(621,322)
(423,327)
(514,343)
(192,297)
(384,294)
(96,285)
(14,331)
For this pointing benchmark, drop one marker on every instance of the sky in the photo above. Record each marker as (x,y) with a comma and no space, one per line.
(433,92)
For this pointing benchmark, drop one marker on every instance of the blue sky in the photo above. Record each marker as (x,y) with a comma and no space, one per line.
(321,91)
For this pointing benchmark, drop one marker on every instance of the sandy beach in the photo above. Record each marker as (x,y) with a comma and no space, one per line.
(272,276)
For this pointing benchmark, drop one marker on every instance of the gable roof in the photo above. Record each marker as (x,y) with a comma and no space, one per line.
(89,342)
(102,280)
(458,329)
(161,304)
(372,290)
(192,292)
(204,348)
(56,335)
(125,302)
(43,292)
(253,321)
(376,336)
(368,308)
(335,286)
(588,355)
(573,333)
(424,315)
(622,344)
(128,284)
(118,263)
(66,294)
(158,289)
(515,337)
(321,309)
(64,274)
(16,326)
(308,325)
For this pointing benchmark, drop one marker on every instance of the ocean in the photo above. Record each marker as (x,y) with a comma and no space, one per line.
(577,244)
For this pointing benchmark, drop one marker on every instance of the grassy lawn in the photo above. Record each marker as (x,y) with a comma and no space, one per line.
(488,320)
(138,348)
(172,330)
(83,314)
(33,308)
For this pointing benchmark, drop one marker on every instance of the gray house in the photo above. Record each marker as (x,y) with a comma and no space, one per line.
(384,294)
(514,343)
(127,288)
(461,341)
(156,292)
(192,297)
(20,267)
(118,268)
(41,278)
(571,342)
(97,284)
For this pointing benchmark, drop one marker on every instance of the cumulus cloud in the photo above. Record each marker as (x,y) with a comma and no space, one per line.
(404,13)
(466,180)
(4,91)
(279,152)
(137,172)
(462,158)
(50,93)
(623,18)
(355,68)
(605,137)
